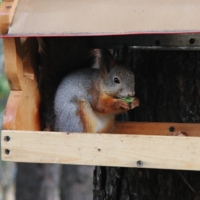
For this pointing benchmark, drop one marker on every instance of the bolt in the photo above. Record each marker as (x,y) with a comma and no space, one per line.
(139,163)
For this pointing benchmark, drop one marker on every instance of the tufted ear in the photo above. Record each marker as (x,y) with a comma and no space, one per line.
(106,60)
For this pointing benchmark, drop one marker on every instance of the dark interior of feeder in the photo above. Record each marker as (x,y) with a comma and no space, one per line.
(167,75)
(168,86)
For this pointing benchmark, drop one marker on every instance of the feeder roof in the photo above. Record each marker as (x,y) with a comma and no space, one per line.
(104,17)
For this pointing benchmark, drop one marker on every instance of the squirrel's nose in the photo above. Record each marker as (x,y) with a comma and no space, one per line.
(131,94)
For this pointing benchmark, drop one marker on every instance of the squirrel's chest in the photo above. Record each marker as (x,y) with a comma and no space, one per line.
(103,123)
(93,121)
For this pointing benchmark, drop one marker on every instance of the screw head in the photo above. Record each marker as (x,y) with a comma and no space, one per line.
(7,151)
(139,163)
(192,40)
(171,129)
(7,138)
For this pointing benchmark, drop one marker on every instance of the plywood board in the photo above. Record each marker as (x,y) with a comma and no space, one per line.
(105,17)
(164,152)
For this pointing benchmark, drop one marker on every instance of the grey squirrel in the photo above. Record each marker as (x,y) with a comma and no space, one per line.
(76,97)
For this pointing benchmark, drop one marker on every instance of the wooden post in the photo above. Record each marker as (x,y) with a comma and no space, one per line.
(22,110)
(7,10)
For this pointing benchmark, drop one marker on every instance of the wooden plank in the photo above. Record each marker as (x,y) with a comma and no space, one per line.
(10,113)
(163,152)
(150,41)
(13,54)
(157,128)
(7,9)
(113,17)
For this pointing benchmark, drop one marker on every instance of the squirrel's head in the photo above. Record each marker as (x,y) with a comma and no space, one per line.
(117,77)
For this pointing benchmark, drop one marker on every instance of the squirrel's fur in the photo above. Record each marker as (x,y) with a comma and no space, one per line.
(76,97)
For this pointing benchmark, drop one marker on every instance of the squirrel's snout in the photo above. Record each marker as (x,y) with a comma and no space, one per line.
(130,94)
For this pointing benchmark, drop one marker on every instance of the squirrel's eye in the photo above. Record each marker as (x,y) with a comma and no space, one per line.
(116,80)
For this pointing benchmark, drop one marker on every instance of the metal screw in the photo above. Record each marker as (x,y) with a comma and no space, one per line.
(139,163)
(191,40)
(7,151)
(171,129)
(7,138)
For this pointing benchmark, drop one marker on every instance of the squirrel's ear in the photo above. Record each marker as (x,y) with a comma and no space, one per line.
(106,60)
(125,54)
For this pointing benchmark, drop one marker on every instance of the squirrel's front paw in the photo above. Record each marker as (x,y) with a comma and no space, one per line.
(122,105)
(134,103)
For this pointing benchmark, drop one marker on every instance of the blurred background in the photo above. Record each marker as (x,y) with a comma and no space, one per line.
(7,169)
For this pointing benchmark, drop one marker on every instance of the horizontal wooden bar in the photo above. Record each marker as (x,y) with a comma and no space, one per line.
(163,152)
(157,128)
(149,41)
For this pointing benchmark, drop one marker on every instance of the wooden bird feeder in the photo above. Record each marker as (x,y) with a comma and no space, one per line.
(139,23)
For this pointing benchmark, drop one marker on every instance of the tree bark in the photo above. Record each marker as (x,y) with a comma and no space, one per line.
(168,87)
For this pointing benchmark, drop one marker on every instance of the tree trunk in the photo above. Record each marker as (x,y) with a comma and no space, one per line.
(168,87)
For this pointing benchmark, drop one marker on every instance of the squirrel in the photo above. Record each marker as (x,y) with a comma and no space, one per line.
(75,96)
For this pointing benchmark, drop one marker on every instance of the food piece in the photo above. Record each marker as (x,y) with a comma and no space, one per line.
(128,99)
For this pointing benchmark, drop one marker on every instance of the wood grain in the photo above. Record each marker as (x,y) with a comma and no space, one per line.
(22,109)
(119,17)
(164,152)
(13,54)
(7,9)
(157,128)
(10,113)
